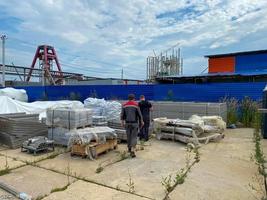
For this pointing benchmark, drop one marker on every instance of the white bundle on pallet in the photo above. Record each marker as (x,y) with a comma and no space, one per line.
(110,109)
(99,121)
(212,124)
(69,118)
(86,135)
(190,131)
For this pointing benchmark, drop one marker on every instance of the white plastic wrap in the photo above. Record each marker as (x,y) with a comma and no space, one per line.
(86,135)
(17,94)
(100,107)
(9,105)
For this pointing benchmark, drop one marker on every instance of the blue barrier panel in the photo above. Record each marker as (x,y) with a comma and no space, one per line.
(81,92)
(257,62)
(211,92)
(208,92)
(35,93)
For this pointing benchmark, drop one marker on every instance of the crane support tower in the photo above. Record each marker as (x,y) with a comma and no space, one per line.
(47,56)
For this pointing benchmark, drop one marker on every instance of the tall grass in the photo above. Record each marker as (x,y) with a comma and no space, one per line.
(244,111)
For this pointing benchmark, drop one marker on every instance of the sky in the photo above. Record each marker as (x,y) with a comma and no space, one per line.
(99,38)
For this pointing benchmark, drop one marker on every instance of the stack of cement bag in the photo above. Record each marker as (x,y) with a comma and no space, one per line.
(195,130)
(87,135)
(62,122)
(99,121)
(18,127)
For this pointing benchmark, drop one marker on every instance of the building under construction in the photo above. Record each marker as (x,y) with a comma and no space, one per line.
(167,63)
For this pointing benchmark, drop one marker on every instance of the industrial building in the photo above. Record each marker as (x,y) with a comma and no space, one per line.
(249,66)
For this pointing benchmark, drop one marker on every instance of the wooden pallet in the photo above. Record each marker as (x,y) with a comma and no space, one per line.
(94,149)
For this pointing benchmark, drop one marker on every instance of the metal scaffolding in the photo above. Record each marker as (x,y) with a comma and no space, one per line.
(168,63)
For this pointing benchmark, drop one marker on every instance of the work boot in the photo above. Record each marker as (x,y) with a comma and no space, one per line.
(133,154)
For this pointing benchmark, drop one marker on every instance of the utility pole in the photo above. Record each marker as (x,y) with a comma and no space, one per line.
(3,38)
(121,73)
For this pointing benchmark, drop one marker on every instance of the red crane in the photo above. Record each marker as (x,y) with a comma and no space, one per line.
(47,55)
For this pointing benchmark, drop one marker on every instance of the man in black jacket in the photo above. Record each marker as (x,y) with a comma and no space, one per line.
(131,119)
(145,107)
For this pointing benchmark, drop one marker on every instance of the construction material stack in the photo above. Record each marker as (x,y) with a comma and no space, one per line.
(195,130)
(109,109)
(99,121)
(62,120)
(90,142)
(18,127)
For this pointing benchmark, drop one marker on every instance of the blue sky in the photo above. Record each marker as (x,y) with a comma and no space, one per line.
(98,38)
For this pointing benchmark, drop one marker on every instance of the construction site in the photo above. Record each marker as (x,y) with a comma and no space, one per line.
(67,134)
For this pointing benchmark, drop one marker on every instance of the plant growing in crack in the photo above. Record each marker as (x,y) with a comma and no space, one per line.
(167,183)
(68,172)
(99,169)
(180,176)
(130,184)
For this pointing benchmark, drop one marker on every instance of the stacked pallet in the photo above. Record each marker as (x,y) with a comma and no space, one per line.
(69,118)
(16,128)
(184,110)
(196,130)
(120,130)
(63,122)
(90,142)
(99,120)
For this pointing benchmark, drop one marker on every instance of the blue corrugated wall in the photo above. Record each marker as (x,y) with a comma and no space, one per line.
(210,92)
(250,63)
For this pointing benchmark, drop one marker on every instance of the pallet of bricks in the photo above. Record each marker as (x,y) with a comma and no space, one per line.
(73,128)
(62,122)
(93,141)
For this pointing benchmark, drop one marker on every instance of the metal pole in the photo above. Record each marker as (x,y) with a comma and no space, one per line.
(3,38)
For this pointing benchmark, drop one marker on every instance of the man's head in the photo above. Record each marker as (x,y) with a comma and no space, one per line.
(131,97)
(142,97)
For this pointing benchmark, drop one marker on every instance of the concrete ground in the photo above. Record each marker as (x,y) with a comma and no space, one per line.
(225,171)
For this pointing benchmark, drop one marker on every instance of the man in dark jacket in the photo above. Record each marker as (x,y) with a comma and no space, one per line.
(131,119)
(145,107)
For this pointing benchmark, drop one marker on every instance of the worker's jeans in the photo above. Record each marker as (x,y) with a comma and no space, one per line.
(131,131)
(143,135)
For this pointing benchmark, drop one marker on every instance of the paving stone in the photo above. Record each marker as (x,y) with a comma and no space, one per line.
(81,190)
(147,170)
(35,181)
(84,168)
(9,162)
(224,171)
(24,156)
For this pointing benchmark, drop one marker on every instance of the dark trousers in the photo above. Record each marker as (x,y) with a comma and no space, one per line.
(143,135)
(131,131)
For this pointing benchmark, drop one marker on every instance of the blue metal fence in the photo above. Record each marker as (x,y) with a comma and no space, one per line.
(210,92)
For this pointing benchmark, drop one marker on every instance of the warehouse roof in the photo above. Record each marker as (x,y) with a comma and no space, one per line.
(237,53)
(245,73)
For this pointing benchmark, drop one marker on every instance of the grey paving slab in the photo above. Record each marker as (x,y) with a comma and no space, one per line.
(81,190)
(224,172)
(9,162)
(35,181)
(27,157)
(84,168)
(146,170)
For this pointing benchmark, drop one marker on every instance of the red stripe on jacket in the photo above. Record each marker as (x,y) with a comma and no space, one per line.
(131,103)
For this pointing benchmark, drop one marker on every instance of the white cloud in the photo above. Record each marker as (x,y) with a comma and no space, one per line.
(125,32)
